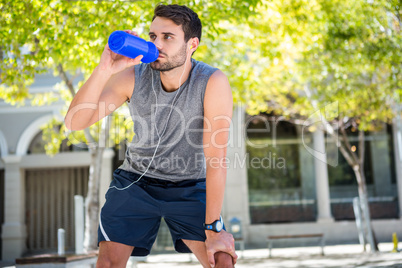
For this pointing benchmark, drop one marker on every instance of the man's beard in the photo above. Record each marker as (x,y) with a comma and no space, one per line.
(177,60)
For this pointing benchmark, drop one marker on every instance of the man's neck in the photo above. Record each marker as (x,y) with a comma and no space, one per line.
(173,79)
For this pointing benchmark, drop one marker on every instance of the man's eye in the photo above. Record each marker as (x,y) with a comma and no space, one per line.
(168,37)
(152,36)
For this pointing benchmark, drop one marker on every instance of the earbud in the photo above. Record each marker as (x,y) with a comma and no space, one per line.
(191,47)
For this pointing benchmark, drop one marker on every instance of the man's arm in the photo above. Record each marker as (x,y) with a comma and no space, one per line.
(218,108)
(108,87)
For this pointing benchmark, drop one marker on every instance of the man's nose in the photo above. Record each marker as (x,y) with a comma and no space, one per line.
(158,43)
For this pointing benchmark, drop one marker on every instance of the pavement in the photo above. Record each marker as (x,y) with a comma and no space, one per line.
(339,256)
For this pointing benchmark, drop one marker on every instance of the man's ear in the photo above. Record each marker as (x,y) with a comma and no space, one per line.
(194,43)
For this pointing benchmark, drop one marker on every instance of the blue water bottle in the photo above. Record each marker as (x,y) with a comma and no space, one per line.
(132,46)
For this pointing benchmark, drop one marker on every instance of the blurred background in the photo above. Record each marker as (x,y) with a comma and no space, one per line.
(317,119)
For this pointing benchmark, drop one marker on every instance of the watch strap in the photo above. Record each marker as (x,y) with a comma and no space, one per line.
(213,226)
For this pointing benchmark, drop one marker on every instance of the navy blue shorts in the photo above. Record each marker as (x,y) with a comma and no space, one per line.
(132,216)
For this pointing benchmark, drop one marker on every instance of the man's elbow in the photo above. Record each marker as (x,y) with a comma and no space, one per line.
(68,122)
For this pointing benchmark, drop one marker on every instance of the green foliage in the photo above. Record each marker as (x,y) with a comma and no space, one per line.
(54,35)
(343,52)
(53,134)
(73,33)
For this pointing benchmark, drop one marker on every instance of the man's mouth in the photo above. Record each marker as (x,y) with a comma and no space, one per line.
(161,55)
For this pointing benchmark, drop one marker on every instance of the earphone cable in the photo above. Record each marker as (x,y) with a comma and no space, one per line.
(156,128)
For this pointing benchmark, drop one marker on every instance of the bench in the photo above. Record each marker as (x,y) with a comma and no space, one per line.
(271,238)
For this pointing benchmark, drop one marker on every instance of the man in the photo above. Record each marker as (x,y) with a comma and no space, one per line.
(182,110)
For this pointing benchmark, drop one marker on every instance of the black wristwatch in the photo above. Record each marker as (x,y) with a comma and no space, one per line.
(216,226)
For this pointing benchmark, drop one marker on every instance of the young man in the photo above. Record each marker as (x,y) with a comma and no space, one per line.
(174,168)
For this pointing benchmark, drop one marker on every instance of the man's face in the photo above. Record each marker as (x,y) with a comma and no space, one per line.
(169,40)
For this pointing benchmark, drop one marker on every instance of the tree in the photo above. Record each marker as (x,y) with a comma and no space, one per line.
(290,58)
(341,55)
(67,38)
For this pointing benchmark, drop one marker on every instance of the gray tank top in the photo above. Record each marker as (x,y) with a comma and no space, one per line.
(180,154)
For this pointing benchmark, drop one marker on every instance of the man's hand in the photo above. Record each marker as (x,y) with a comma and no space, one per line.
(222,241)
(115,63)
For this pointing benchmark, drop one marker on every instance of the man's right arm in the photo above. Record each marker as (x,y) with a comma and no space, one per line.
(108,87)
(101,94)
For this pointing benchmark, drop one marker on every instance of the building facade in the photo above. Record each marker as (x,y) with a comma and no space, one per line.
(297,182)
(281,179)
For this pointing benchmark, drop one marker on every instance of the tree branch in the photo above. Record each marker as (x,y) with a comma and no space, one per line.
(89,138)
(348,145)
(77,73)
(347,156)
(64,77)
(70,87)
(345,147)
(361,148)
(397,17)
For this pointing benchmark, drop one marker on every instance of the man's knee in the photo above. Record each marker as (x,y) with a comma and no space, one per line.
(103,263)
(109,262)
(112,254)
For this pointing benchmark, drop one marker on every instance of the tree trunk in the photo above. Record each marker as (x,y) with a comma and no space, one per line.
(365,207)
(357,163)
(92,200)
(96,151)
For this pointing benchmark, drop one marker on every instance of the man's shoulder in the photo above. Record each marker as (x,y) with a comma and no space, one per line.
(140,68)
(202,67)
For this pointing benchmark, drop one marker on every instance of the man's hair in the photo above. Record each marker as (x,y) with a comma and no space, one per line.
(181,15)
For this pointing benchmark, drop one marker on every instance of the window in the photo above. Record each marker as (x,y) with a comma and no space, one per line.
(379,170)
(276,187)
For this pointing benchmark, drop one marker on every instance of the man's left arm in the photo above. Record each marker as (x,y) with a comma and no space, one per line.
(218,108)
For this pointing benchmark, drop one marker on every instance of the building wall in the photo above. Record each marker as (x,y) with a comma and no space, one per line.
(18,127)
(385,197)
(15,162)
(1,207)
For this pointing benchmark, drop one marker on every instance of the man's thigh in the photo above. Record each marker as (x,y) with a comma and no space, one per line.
(130,216)
(185,215)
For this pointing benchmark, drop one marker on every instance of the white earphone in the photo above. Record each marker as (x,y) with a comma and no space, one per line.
(157,131)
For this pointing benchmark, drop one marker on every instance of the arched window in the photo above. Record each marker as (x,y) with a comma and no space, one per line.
(37,146)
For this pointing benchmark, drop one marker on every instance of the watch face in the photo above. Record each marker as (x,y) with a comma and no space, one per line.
(219,226)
